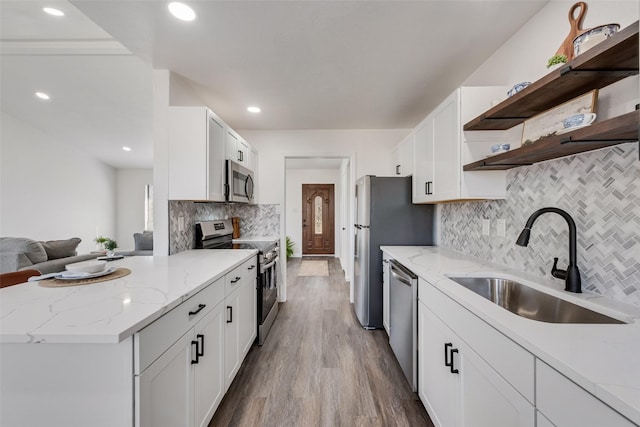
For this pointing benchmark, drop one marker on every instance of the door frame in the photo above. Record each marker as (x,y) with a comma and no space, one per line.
(348,191)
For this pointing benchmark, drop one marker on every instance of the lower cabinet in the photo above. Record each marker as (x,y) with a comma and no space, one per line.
(208,337)
(565,404)
(457,387)
(184,386)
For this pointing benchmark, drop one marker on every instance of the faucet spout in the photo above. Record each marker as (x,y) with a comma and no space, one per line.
(571,275)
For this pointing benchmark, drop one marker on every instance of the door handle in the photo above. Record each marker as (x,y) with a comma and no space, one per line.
(200,346)
(230,312)
(453,370)
(193,362)
(427,187)
(446,354)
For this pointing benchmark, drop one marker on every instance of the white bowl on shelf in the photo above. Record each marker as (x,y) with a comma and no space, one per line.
(91,266)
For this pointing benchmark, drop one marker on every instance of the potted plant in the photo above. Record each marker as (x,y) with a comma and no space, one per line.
(100,240)
(290,246)
(556,60)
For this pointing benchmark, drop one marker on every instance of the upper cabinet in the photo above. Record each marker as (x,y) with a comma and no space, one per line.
(196,154)
(402,157)
(611,60)
(199,144)
(441,148)
(238,149)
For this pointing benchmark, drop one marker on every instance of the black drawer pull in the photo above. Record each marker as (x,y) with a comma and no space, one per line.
(230,317)
(252,267)
(453,371)
(235,280)
(198,310)
(193,362)
(200,345)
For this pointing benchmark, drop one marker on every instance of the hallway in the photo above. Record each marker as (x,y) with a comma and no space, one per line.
(318,367)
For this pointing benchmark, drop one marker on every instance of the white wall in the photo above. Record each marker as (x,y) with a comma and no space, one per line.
(369,146)
(50,191)
(130,200)
(295,179)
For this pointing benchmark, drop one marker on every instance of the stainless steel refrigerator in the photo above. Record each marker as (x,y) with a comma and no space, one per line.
(385,216)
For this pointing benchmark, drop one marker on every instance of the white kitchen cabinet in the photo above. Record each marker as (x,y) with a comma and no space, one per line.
(542,421)
(166,388)
(442,148)
(565,404)
(185,384)
(241,316)
(209,380)
(196,154)
(458,387)
(385,291)
(237,149)
(402,157)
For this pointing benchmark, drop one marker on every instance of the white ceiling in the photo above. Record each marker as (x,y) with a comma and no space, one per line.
(307,64)
(313,163)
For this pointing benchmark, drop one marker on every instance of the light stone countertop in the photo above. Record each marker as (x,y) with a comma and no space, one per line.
(252,239)
(110,311)
(602,359)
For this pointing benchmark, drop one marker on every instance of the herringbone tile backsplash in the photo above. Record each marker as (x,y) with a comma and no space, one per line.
(255,221)
(601,191)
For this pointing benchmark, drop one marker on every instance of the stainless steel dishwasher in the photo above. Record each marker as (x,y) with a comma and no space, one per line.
(403,319)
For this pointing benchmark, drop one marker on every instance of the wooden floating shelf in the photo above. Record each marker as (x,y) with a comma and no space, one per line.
(614,131)
(614,59)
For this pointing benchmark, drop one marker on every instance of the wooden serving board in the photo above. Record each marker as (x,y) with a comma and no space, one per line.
(566,48)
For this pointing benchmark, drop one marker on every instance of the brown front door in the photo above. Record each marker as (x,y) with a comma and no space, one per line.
(317,219)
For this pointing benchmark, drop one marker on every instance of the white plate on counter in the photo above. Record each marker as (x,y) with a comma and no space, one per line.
(76,276)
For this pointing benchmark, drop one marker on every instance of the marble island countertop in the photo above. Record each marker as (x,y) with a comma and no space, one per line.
(602,359)
(110,311)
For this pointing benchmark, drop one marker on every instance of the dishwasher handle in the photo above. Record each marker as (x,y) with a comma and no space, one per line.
(401,274)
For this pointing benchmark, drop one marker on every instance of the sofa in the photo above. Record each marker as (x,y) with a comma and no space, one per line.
(19,253)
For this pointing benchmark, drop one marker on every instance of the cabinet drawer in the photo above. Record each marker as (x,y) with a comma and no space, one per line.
(238,275)
(156,338)
(512,362)
(566,404)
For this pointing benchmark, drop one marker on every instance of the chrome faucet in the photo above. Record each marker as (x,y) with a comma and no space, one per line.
(571,275)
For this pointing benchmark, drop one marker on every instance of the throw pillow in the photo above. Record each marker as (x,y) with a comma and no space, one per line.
(30,248)
(57,249)
(143,241)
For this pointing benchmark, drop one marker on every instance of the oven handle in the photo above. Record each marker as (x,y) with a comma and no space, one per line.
(264,268)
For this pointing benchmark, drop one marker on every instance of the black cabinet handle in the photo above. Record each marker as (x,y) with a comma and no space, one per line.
(198,310)
(427,187)
(446,354)
(453,370)
(193,362)
(397,169)
(200,346)
(235,280)
(252,267)
(230,311)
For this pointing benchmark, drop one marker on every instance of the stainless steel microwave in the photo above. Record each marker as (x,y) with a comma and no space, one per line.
(239,185)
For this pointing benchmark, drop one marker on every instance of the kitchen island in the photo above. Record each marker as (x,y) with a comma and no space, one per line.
(124,352)
(574,374)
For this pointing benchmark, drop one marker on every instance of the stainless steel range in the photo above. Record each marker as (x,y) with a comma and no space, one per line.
(218,235)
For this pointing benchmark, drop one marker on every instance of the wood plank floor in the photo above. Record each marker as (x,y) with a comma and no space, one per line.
(319,367)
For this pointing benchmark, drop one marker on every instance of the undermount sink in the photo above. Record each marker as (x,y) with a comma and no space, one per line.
(530,303)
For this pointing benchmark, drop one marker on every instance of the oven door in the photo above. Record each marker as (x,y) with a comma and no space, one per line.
(239,185)
(267,289)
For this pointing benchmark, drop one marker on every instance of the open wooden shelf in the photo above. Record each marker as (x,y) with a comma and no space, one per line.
(610,132)
(614,59)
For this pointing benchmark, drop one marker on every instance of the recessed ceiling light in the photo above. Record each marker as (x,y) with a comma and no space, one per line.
(253,109)
(43,96)
(126,148)
(52,11)
(181,11)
